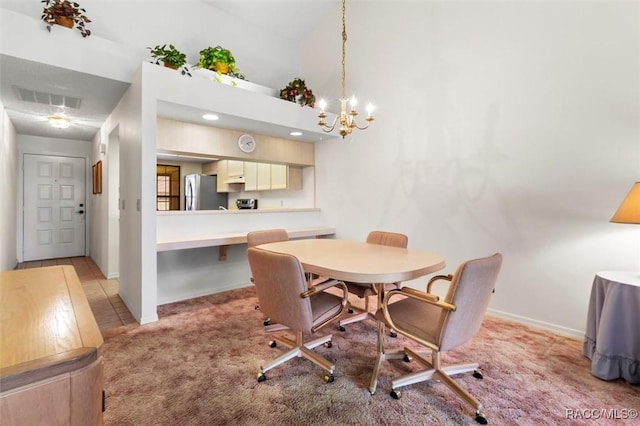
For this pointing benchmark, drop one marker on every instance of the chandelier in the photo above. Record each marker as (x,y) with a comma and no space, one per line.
(347,118)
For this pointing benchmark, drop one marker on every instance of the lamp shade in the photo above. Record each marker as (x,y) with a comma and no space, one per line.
(629,210)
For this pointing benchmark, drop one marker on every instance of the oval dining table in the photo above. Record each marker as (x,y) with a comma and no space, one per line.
(361,262)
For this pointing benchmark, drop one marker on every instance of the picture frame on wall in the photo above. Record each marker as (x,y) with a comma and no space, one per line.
(97,177)
(93,177)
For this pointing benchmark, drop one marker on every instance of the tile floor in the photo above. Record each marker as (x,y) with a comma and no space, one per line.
(102,294)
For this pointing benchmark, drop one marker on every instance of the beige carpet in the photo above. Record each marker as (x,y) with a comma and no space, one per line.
(197,366)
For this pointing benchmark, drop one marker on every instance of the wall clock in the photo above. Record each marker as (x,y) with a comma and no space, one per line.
(246,143)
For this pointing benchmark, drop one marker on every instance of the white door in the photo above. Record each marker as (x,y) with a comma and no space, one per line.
(54,207)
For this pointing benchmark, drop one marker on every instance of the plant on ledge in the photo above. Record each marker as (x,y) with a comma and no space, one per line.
(170,57)
(297,91)
(65,13)
(219,60)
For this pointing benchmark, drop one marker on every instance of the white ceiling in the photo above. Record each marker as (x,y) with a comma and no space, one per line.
(99,96)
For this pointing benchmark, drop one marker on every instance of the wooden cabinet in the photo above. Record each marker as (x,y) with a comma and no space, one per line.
(224,169)
(50,362)
(235,168)
(270,177)
(264,176)
(294,178)
(279,176)
(250,176)
(257,176)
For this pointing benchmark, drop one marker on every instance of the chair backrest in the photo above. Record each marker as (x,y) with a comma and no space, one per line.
(384,238)
(255,238)
(470,291)
(279,280)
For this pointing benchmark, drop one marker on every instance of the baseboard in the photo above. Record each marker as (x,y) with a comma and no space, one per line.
(113,276)
(570,332)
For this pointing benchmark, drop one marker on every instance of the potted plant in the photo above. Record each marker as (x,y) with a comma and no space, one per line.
(65,13)
(297,91)
(170,57)
(217,59)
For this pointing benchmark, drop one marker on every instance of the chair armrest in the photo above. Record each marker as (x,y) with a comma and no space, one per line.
(448,277)
(429,298)
(421,295)
(322,287)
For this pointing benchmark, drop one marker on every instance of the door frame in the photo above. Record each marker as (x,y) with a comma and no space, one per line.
(57,147)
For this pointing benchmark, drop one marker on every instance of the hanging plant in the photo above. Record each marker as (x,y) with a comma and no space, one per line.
(170,57)
(297,91)
(65,13)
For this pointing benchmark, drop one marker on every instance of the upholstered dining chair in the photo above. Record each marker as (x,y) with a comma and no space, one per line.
(285,297)
(366,291)
(439,325)
(255,238)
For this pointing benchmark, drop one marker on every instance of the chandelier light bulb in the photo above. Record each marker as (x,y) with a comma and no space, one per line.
(370,108)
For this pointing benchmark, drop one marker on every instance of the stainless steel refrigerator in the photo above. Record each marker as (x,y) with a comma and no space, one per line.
(200,193)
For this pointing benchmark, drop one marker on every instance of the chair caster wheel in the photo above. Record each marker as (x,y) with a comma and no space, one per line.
(350,310)
(395,394)
(273,344)
(481,419)
(267,322)
(329,378)
(477,374)
(406,358)
(327,344)
(261,377)
(393,334)
(342,328)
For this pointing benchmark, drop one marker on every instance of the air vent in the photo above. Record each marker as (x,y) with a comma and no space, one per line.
(28,95)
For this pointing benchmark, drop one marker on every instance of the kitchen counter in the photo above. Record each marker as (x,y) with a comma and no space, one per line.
(236,211)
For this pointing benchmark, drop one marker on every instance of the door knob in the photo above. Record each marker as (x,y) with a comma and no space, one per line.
(81,211)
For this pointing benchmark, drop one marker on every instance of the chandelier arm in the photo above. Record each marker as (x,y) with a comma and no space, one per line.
(326,128)
(355,124)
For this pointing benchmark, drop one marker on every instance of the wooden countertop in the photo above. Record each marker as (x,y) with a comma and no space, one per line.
(182,243)
(46,325)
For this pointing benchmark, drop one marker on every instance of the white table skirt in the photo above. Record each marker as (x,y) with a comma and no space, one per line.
(612,338)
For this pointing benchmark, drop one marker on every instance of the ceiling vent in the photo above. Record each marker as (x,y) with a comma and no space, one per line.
(51,99)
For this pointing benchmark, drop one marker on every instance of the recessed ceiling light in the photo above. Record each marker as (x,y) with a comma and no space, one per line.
(211,117)
(59,121)
(296,133)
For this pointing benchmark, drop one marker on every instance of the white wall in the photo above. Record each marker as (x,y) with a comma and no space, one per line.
(8,192)
(502,126)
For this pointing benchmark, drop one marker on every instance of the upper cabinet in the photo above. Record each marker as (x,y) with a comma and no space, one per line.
(270,177)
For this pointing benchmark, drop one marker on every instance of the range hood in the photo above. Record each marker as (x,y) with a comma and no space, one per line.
(235,179)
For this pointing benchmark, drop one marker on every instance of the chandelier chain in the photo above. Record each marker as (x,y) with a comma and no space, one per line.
(344,42)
